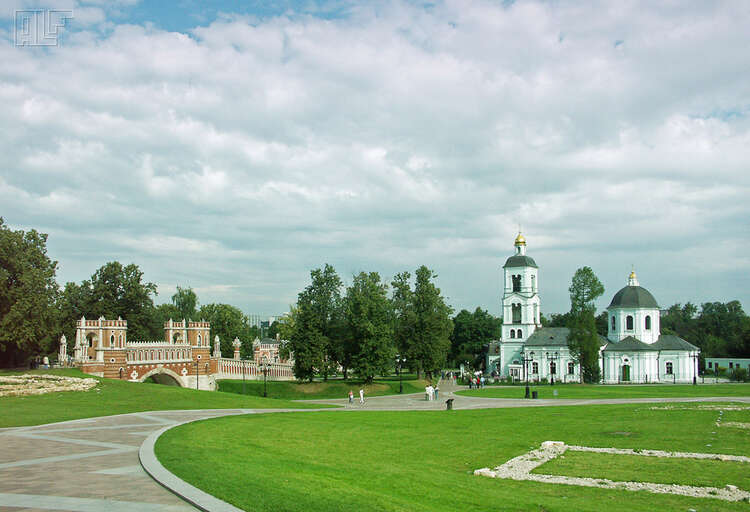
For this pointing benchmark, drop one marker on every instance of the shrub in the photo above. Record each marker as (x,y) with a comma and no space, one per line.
(738,375)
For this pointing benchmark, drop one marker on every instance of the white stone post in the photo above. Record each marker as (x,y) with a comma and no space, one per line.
(236,343)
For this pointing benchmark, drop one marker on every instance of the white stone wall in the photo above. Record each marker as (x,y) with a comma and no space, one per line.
(643,367)
(543,356)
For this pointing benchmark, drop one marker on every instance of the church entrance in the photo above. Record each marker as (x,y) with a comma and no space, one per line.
(626,373)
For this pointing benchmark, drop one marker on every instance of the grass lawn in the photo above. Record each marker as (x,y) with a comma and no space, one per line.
(118,397)
(319,389)
(612,391)
(423,460)
(634,468)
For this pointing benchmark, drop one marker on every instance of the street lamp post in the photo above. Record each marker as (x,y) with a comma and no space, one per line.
(265,376)
(526,361)
(695,369)
(197,373)
(243,376)
(399,365)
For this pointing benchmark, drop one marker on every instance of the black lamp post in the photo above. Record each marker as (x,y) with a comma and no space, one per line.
(526,361)
(554,358)
(399,365)
(265,376)
(197,373)
(695,369)
(243,376)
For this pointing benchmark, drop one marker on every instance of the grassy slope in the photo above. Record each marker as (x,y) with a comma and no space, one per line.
(118,397)
(317,390)
(618,391)
(423,460)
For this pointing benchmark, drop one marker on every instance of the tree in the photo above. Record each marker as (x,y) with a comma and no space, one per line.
(402,312)
(228,323)
(317,335)
(471,333)
(369,326)
(119,291)
(186,302)
(583,339)
(428,348)
(27,296)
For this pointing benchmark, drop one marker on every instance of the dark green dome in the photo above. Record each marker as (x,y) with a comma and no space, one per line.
(520,261)
(633,297)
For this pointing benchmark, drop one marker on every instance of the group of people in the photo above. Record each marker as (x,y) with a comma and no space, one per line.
(431,393)
(361,396)
(477,382)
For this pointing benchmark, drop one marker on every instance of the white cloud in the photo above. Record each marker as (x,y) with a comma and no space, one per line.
(394,136)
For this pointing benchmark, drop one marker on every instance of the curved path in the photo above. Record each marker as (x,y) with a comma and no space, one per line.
(92,464)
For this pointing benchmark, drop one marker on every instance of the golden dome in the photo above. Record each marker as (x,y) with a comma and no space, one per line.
(520,240)
(632,275)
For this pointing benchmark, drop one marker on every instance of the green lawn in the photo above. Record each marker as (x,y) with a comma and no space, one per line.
(319,389)
(634,468)
(612,391)
(423,460)
(118,397)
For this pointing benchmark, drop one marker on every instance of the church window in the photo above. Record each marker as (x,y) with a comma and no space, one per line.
(553,368)
(519,334)
(516,283)
(516,313)
(629,323)
(613,322)
(534,367)
(709,364)
(648,322)
(512,333)
(111,340)
(571,368)
(199,339)
(120,339)
(731,365)
(669,368)
(533,283)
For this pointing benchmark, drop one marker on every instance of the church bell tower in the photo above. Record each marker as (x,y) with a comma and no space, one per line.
(520,295)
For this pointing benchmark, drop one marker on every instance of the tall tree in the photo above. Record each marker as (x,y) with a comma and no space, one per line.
(583,339)
(317,331)
(471,333)
(186,302)
(369,326)
(228,323)
(403,317)
(429,346)
(27,296)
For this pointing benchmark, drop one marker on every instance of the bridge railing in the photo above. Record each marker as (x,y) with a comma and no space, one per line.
(234,369)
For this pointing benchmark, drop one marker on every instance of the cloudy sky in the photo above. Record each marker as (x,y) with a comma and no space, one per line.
(233,151)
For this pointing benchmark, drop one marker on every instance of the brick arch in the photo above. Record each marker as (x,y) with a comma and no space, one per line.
(163,371)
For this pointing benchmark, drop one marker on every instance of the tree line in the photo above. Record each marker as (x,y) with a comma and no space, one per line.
(361,328)
(35,311)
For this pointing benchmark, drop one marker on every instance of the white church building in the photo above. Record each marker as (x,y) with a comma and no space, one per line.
(634,350)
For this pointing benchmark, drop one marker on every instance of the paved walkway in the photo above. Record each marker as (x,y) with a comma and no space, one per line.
(92,464)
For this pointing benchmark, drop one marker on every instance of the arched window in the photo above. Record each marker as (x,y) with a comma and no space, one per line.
(199,339)
(571,368)
(516,283)
(629,323)
(512,333)
(534,367)
(519,334)
(516,313)
(553,368)
(669,368)
(120,339)
(533,283)
(648,322)
(112,340)
(613,322)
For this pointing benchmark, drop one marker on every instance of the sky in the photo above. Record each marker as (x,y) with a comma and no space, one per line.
(233,148)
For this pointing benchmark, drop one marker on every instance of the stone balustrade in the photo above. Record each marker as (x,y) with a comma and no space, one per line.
(234,368)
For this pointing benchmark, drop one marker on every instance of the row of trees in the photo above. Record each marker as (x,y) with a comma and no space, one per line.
(35,311)
(362,329)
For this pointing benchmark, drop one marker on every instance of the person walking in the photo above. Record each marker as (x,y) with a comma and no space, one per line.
(351,397)
(361,396)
